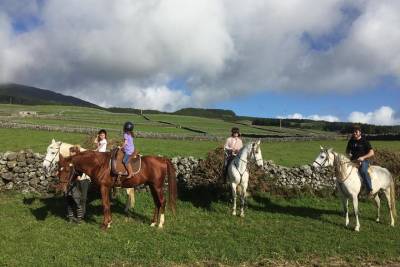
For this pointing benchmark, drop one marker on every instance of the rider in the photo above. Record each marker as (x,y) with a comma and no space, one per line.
(101,141)
(360,150)
(232,146)
(128,147)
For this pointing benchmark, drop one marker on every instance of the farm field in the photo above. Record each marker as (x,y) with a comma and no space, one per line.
(71,116)
(283,153)
(302,230)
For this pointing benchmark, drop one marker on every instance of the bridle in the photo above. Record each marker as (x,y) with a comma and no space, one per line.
(325,160)
(55,156)
(72,173)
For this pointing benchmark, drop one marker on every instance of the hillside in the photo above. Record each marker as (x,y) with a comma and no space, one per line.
(27,95)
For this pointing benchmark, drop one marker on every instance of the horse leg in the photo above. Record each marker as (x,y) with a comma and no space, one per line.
(389,201)
(234,198)
(156,206)
(378,206)
(355,205)
(105,199)
(162,207)
(130,202)
(243,198)
(345,204)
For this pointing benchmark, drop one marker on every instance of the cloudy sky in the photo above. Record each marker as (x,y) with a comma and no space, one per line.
(329,59)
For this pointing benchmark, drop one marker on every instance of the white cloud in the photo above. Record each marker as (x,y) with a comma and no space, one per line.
(314,117)
(220,48)
(382,116)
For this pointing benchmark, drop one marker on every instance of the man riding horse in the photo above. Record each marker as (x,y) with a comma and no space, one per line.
(360,150)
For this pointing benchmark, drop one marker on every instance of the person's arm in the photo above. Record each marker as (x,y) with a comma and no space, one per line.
(227,145)
(370,153)
(348,148)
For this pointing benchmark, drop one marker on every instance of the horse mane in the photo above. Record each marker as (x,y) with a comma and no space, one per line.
(247,146)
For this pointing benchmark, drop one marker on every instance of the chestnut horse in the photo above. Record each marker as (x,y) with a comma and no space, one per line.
(98,166)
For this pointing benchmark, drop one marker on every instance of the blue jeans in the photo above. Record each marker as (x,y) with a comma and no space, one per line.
(126,158)
(363,170)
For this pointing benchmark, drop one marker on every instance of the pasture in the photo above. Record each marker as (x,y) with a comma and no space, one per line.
(283,153)
(301,230)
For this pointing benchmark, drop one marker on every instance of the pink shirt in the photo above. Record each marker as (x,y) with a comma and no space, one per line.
(233,143)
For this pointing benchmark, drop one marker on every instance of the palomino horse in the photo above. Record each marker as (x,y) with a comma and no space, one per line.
(57,148)
(349,181)
(238,174)
(98,166)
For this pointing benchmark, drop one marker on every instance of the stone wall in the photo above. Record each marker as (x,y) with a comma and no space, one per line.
(22,171)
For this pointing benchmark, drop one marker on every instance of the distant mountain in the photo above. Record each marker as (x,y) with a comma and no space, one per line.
(27,95)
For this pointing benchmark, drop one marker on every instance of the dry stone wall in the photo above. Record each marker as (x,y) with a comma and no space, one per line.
(22,171)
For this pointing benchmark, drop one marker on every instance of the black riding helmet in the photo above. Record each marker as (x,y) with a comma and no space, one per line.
(128,126)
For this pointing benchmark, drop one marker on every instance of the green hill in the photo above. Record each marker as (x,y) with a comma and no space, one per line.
(27,95)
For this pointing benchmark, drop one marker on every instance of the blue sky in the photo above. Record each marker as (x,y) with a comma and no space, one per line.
(262,59)
(273,104)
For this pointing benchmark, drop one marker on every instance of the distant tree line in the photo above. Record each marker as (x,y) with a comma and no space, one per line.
(339,127)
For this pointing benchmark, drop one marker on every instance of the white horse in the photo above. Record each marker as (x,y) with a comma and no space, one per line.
(53,155)
(349,181)
(238,174)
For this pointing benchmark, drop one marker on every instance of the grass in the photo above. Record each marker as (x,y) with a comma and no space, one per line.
(274,230)
(89,117)
(283,153)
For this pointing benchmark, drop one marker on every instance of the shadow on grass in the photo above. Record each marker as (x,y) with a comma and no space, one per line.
(56,206)
(306,212)
(203,196)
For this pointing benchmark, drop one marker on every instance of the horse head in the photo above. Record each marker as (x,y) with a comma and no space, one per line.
(325,158)
(52,156)
(256,153)
(66,173)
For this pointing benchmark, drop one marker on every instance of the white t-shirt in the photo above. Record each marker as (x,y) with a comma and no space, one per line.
(102,145)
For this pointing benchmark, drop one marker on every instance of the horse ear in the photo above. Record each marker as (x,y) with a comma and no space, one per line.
(53,141)
(322,148)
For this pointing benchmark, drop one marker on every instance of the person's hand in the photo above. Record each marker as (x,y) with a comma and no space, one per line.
(360,159)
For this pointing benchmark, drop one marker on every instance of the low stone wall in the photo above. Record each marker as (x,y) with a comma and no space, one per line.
(22,171)
(191,174)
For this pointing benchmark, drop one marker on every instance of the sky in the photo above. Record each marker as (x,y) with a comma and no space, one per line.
(334,60)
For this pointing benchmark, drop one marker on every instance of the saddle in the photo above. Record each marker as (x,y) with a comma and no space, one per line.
(118,167)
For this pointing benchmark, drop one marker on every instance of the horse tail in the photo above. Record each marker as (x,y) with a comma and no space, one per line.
(393,197)
(172,188)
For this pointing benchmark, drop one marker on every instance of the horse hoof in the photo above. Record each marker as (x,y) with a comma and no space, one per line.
(153,224)
(377,220)
(357,229)
(234,213)
(160,226)
(242,215)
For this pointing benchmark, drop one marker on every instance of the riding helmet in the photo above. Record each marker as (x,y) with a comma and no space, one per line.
(128,126)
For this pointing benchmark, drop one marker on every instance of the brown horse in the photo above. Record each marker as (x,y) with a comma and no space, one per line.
(98,166)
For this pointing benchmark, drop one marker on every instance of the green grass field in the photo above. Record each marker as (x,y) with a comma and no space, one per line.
(33,232)
(72,116)
(283,153)
(302,230)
